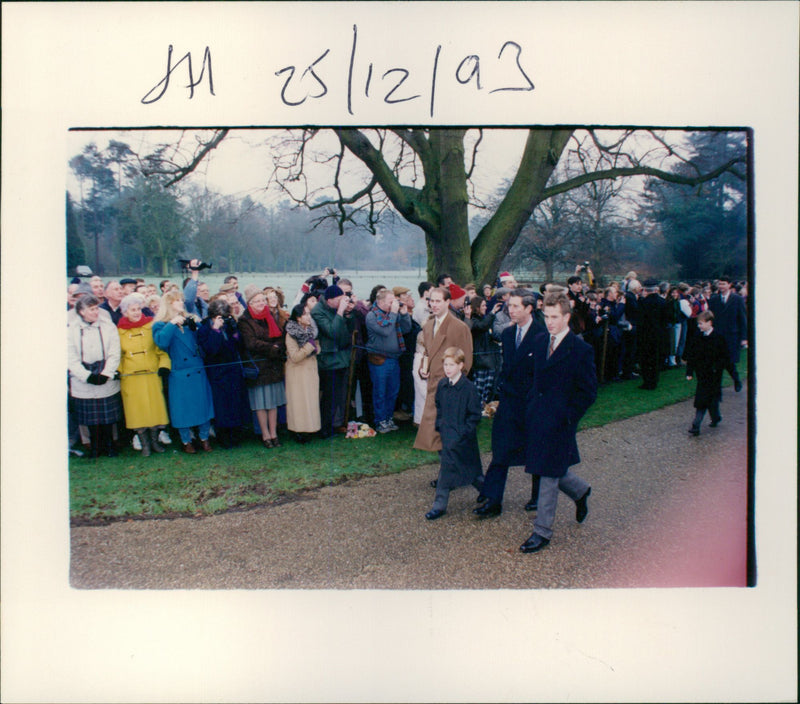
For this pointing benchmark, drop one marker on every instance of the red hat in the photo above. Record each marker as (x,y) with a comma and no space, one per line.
(456,291)
(505,275)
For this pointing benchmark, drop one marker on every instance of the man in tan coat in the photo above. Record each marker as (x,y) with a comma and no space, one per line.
(442,330)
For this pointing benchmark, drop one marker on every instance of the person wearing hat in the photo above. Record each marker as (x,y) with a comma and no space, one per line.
(507,280)
(335,321)
(128,285)
(457,298)
(649,333)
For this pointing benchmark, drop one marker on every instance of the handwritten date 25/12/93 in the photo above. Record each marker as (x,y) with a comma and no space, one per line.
(397,84)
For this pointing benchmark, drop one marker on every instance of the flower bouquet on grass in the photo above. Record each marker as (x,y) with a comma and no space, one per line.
(358,430)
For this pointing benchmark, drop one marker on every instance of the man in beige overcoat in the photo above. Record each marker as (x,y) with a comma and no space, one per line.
(442,330)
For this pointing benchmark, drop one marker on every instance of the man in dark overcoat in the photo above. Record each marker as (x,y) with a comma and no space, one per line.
(508,428)
(564,386)
(652,323)
(730,321)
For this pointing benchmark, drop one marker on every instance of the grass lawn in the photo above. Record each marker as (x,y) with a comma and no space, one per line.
(175,483)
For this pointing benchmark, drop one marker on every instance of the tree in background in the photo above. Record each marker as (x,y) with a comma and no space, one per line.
(425,176)
(705,226)
(153,222)
(76,254)
(98,192)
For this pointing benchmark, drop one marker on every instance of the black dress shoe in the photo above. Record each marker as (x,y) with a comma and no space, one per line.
(694,431)
(715,423)
(532,505)
(434,483)
(435,513)
(737,386)
(535,543)
(481,499)
(581,509)
(488,510)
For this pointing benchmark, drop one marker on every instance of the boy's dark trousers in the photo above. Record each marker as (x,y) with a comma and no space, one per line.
(713,410)
(442,494)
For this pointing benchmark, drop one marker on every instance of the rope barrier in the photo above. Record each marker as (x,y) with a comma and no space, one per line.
(264,359)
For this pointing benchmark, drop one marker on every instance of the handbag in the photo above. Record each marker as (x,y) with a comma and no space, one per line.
(249,369)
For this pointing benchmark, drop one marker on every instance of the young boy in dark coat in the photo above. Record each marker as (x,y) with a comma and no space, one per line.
(458,412)
(707,356)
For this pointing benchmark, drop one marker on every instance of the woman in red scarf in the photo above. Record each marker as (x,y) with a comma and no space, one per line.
(262,336)
(142,395)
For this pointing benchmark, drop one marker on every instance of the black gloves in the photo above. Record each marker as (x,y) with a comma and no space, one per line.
(97,379)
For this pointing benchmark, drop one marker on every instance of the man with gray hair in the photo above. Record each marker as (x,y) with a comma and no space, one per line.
(509,433)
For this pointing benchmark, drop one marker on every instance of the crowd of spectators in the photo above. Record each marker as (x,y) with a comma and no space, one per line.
(145,360)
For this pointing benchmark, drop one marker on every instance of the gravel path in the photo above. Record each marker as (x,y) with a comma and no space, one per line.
(666,509)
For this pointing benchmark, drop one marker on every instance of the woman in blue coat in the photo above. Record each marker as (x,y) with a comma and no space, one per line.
(219,340)
(190,401)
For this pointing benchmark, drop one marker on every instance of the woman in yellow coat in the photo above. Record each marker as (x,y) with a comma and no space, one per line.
(140,368)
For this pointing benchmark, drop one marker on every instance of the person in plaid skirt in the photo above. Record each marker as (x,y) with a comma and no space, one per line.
(93,359)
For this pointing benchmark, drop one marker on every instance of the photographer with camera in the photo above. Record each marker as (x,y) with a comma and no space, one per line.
(336,322)
(190,401)
(219,340)
(196,293)
(387,321)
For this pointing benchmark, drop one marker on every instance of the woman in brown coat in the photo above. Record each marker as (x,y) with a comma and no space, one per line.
(262,337)
(302,378)
(450,332)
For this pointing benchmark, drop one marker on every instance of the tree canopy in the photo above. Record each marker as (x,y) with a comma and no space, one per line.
(564,199)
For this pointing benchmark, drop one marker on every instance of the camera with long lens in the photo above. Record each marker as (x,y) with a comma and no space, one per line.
(584,266)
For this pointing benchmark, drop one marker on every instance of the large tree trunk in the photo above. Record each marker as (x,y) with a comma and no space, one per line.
(542,151)
(450,245)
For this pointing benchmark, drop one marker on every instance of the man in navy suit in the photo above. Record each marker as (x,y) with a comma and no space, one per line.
(508,429)
(730,320)
(564,386)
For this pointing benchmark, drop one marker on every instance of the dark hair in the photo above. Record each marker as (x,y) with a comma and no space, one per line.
(574,280)
(442,277)
(297,312)
(85,302)
(475,304)
(230,278)
(306,296)
(424,286)
(219,306)
(374,293)
(527,298)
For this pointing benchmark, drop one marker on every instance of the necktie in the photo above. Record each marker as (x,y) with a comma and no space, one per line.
(552,346)
(435,326)
(519,335)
